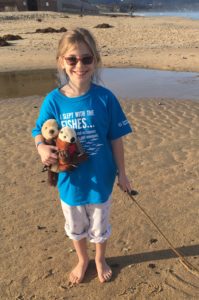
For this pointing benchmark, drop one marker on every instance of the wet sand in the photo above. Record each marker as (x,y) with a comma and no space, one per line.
(162,161)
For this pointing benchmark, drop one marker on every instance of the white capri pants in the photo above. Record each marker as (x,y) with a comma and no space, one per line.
(88,221)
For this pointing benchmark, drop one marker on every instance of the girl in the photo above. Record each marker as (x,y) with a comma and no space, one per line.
(100,123)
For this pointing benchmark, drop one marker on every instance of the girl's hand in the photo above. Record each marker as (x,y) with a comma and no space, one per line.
(48,154)
(124,183)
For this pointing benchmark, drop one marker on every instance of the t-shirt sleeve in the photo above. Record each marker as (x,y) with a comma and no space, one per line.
(45,113)
(118,123)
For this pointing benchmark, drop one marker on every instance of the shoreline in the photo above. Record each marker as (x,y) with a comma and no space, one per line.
(115,66)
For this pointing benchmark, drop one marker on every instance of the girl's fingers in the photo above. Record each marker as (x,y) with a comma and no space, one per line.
(125,186)
(122,187)
(52,161)
(53,156)
(129,187)
(54,148)
(49,161)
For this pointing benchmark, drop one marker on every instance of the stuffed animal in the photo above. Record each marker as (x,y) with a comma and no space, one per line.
(69,150)
(50,132)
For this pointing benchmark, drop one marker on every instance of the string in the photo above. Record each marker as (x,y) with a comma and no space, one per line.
(181,257)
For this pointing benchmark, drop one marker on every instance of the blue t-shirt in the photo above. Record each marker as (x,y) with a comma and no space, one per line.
(97,118)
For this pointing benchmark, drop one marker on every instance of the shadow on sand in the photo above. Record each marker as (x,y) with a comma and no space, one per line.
(119,262)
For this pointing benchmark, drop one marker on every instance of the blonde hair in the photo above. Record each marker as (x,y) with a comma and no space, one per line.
(71,38)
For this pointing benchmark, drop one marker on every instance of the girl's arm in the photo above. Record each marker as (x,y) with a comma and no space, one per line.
(46,152)
(118,153)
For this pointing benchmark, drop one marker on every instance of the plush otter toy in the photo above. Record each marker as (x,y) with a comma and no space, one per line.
(50,132)
(70,153)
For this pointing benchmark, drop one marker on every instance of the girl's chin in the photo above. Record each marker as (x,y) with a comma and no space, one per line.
(82,78)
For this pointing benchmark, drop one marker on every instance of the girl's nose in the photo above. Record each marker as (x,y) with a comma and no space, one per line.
(79,64)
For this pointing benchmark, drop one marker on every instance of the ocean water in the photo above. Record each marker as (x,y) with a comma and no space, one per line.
(194,15)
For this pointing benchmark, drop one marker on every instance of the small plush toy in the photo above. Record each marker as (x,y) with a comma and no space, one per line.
(70,153)
(50,132)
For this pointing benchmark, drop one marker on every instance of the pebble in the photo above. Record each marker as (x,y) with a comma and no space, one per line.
(71,250)
(151,266)
(152,241)
(40,227)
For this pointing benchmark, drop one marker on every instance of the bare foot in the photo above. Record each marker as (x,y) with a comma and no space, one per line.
(77,274)
(103,270)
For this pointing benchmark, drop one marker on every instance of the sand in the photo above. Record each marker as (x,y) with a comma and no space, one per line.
(161,43)
(161,160)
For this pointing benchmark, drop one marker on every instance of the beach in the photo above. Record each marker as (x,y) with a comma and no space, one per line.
(165,43)
(161,160)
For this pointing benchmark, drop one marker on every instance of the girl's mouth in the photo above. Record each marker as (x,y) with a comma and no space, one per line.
(80,73)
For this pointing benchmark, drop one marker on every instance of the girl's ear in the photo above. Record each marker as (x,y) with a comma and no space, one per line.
(61,62)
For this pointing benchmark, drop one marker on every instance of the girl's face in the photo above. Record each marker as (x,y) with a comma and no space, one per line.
(79,64)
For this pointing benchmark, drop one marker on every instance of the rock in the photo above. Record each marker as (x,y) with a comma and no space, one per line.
(103,25)
(134,192)
(62,29)
(12,37)
(50,30)
(71,250)
(152,241)
(3,43)
(40,227)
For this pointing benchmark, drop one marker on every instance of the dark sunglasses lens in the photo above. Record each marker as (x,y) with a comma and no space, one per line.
(87,60)
(71,60)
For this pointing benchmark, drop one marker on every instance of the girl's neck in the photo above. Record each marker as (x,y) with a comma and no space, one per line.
(72,90)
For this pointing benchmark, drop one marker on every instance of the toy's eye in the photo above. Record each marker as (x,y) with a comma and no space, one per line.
(61,131)
(46,128)
(65,137)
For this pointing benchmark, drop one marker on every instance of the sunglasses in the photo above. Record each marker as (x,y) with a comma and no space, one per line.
(73,60)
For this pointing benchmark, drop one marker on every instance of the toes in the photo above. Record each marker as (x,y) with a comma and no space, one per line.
(78,280)
(73,279)
(77,274)
(108,276)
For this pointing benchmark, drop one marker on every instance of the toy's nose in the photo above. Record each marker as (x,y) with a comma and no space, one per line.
(72,140)
(51,131)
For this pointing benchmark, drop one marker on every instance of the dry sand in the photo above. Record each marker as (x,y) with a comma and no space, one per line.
(162,160)
(160,43)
